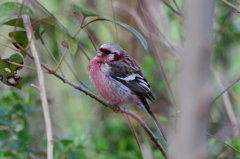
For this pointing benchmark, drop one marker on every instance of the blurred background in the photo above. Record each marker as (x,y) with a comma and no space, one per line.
(84,128)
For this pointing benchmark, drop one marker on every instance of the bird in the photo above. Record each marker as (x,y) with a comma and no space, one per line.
(119,79)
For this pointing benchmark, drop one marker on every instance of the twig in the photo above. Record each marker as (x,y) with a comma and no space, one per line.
(53,58)
(42,91)
(115,23)
(158,58)
(36,87)
(169,6)
(59,63)
(9,46)
(89,36)
(224,143)
(226,89)
(231,5)
(134,132)
(17,64)
(228,106)
(83,51)
(15,27)
(80,28)
(74,73)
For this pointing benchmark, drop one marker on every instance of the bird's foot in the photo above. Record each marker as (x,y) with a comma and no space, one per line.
(116,109)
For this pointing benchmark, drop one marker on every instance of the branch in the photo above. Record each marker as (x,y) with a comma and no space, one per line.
(134,133)
(231,5)
(224,143)
(170,7)
(42,92)
(157,55)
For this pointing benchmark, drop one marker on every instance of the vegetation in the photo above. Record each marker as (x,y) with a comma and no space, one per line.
(67,34)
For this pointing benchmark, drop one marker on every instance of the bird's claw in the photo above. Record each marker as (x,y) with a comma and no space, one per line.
(116,109)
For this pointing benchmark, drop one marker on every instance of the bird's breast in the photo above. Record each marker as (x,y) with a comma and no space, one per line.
(111,90)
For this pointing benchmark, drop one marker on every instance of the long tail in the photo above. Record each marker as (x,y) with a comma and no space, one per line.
(147,108)
(157,124)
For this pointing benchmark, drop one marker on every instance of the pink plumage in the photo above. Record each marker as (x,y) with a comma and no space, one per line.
(119,79)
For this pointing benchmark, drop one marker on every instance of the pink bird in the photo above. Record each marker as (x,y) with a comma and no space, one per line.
(119,79)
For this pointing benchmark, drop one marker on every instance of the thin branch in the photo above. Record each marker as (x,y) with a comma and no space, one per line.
(89,36)
(80,28)
(83,51)
(156,54)
(231,5)
(74,73)
(134,132)
(224,143)
(228,106)
(226,89)
(9,46)
(42,92)
(170,7)
(17,64)
(53,58)
(59,63)
(115,23)
(15,27)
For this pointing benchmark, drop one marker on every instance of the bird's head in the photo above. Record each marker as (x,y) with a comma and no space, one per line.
(110,52)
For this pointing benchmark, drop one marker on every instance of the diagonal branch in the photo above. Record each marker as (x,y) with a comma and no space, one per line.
(231,5)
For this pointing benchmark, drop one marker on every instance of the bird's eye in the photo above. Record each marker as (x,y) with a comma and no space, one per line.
(108,52)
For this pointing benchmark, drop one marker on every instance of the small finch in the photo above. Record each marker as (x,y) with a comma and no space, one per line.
(119,79)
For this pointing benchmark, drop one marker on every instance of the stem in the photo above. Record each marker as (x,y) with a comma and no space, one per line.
(42,92)
(80,28)
(61,60)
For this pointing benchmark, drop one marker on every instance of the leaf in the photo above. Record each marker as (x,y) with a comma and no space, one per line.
(85,13)
(8,72)
(59,33)
(21,37)
(132,30)
(10,8)
(21,25)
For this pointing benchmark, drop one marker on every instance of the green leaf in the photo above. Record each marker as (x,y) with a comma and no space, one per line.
(5,122)
(20,37)
(8,72)
(11,8)
(132,30)
(21,25)
(59,34)
(85,13)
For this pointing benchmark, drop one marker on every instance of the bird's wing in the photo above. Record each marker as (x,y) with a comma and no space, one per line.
(130,77)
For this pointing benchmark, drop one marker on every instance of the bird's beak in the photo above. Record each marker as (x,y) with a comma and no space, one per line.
(99,53)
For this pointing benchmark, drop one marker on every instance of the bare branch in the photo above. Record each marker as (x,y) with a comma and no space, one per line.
(42,92)
(134,133)
(231,5)
(114,23)
(224,143)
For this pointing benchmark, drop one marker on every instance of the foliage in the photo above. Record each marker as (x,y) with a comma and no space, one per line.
(83,129)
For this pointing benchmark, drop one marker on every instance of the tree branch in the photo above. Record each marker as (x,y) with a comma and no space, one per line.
(42,92)
(231,5)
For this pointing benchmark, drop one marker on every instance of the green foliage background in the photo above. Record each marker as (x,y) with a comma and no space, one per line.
(82,127)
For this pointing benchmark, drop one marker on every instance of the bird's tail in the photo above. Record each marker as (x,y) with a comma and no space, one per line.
(157,124)
(147,108)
